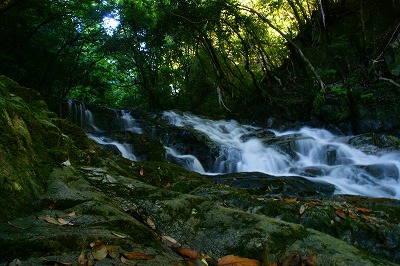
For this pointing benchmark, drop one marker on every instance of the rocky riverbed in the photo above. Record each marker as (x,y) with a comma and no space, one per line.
(67,201)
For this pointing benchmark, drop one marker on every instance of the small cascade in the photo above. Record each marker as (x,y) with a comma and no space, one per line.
(188,161)
(76,112)
(129,122)
(315,154)
(124,148)
(84,118)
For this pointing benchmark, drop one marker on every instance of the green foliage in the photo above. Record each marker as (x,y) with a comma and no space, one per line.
(162,54)
(339,90)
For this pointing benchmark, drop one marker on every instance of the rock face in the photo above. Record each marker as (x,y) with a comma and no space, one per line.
(112,211)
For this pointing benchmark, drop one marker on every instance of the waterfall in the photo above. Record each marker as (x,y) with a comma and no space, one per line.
(84,118)
(315,154)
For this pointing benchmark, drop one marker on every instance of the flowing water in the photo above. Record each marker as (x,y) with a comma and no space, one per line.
(309,152)
(315,154)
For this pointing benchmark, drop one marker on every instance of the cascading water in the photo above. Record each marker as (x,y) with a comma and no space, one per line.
(83,117)
(315,154)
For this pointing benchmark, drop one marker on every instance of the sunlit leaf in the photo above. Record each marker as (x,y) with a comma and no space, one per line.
(232,260)
(134,255)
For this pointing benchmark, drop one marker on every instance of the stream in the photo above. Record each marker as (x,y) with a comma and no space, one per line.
(312,153)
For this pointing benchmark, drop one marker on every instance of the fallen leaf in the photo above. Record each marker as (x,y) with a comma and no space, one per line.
(150,223)
(232,260)
(190,253)
(66,163)
(141,172)
(127,262)
(302,209)
(372,220)
(134,255)
(97,245)
(64,222)
(100,254)
(364,210)
(291,200)
(339,212)
(82,261)
(170,242)
(112,253)
(50,220)
(353,215)
(167,185)
(70,215)
(314,203)
(196,262)
(119,235)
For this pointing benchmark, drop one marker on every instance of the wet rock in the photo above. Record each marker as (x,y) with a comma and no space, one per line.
(282,186)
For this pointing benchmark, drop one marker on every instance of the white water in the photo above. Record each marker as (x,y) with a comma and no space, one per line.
(350,170)
(124,148)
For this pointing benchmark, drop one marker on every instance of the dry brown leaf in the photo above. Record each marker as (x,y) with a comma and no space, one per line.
(364,210)
(190,253)
(291,200)
(232,260)
(134,255)
(127,262)
(167,185)
(141,172)
(339,212)
(314,203)
(100,254)
(370,219)
(353,215)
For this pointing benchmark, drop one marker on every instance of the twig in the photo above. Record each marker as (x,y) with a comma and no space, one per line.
(391,81)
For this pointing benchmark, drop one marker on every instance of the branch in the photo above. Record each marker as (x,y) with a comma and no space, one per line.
(391,81)
(289,40)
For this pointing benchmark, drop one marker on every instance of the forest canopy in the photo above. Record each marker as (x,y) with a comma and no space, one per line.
(158,54)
